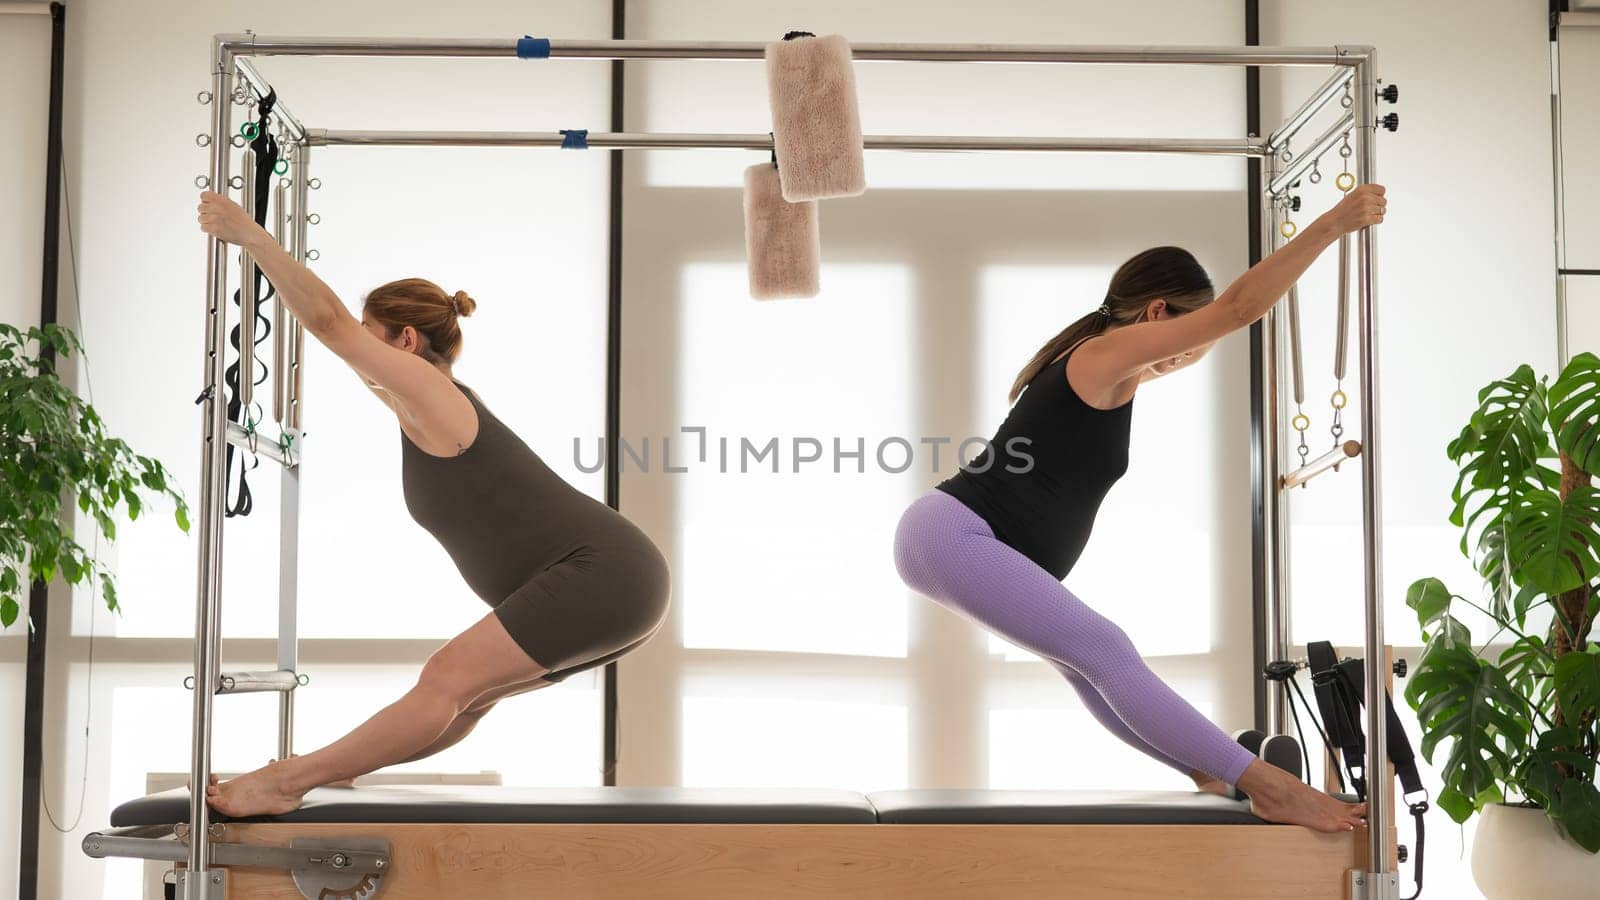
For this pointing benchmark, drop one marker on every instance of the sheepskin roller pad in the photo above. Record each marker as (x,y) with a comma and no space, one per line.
(816,126)
(781,239)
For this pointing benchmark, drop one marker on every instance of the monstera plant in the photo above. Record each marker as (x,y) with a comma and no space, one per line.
(54,446)
(1518,706)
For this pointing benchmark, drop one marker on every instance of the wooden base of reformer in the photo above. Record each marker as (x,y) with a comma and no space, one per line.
(870,862)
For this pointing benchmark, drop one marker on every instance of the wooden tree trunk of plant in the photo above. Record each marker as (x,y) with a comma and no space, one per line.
(1570,631)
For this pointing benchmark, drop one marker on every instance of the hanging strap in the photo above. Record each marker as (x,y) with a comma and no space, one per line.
(1343,723)
(1340,696)
(265,147)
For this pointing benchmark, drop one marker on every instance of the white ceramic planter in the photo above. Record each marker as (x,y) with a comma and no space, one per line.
(1518,854)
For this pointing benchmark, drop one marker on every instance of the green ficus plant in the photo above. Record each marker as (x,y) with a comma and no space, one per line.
(54,449)
(1519,708)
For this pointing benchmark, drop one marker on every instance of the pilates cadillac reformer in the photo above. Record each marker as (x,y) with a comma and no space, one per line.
(672,843)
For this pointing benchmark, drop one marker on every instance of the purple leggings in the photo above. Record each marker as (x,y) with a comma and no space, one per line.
(947,552)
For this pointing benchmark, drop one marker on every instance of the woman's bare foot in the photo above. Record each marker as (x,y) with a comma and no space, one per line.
(341,783)
(1277,796)
(1206,784)
(259,793)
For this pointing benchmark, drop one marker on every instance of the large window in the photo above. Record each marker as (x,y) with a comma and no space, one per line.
(786,517)
(794,655)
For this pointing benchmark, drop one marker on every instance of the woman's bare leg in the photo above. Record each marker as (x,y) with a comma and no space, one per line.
(472,715)
(479,660)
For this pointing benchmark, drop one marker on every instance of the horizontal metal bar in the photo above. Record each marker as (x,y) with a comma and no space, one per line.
(1309,109)
(1579,20)
(266,445)
(300,859)
(160,843)
(262,88)
(257,682)
(153,842)
(1330,460)
(645,141)
(1305,160)
(1133,54)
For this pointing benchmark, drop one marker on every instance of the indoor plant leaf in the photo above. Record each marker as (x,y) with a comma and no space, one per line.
(54,450)
(1577,684)
(1553,762)
(1506,433)
(1526,664)
(1460,698)
(1577,811)
(1575,411)
(1551,541)
(1430,598)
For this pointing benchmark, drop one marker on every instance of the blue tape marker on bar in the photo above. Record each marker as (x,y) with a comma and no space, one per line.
(533,48)
(575,139)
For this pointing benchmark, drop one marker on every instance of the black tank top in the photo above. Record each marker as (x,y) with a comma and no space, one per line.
(1040,483)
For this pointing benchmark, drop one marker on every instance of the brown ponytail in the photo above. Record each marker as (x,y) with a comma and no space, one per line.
(423,305)
(1161,273)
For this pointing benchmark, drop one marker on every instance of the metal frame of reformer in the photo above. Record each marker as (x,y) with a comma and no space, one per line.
(658,860)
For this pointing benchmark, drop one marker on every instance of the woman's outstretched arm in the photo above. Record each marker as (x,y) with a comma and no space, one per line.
(425,396)
(1125,352)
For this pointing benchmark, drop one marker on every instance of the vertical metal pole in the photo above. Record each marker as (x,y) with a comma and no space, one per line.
(247,291)
(1273,526)
(611,735)
(35,668)
(1260,489)
(280,205)
(1558,170)
(1379,873)
(288,595)
(297,338)
(292,228)
(208,599)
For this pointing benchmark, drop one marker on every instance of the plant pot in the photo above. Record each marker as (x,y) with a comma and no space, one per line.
(1519,854)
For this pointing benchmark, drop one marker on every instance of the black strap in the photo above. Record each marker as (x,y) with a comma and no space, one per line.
(1343,722)
(265,146)
(1339,687)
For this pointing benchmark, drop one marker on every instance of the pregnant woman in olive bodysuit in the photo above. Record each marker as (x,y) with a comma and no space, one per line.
(572,584)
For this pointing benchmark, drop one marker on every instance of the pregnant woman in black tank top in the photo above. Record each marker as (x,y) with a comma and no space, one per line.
(995,541)
(572,584)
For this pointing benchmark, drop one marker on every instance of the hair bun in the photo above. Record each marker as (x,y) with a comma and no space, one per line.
(463,304)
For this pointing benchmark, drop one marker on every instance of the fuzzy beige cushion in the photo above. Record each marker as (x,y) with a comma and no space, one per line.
(781,239)
(816,126)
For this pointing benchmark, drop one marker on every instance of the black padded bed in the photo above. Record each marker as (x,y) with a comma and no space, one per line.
(642,805)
